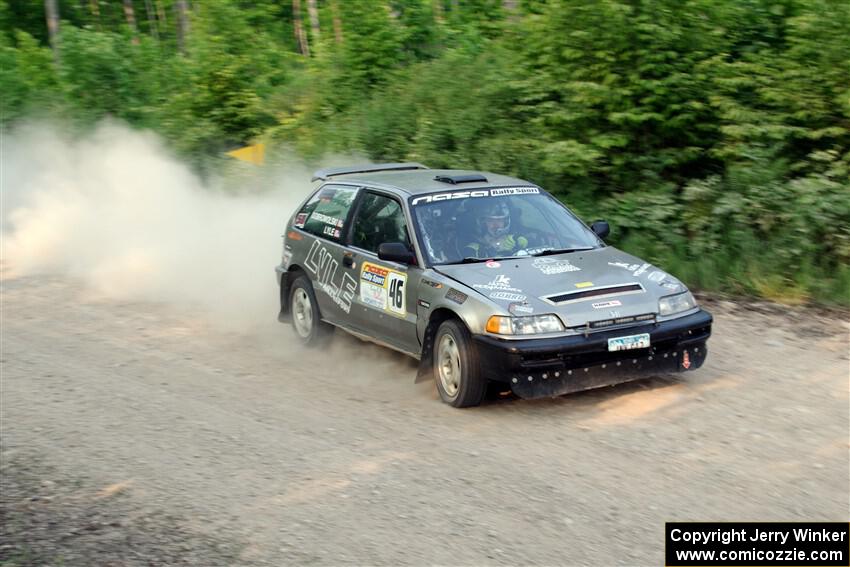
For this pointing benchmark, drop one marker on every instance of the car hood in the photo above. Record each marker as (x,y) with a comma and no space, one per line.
(581,287)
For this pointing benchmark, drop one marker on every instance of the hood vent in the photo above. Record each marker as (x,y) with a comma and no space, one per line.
(594,293)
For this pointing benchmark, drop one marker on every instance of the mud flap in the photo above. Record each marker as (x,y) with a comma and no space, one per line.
(425,370)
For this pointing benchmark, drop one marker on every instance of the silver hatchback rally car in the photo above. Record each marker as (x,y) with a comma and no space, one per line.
(481,277)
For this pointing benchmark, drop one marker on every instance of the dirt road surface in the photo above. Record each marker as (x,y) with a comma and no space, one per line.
(143,433)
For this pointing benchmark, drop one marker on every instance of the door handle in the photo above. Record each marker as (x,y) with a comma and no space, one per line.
(348,260)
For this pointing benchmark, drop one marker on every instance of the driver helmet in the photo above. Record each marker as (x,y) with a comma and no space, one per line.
(494,219)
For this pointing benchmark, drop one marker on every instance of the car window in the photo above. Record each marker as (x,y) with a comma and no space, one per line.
(379,219)
(325,213)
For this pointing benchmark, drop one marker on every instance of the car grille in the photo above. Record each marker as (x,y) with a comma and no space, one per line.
(606,323)
(594,293)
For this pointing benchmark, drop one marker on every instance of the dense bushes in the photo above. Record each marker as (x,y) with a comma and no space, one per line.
(713,134)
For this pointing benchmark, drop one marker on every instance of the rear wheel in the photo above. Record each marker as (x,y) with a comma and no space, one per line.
(456,369)
(306,319)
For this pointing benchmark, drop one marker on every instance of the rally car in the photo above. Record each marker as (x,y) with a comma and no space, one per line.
(481,277)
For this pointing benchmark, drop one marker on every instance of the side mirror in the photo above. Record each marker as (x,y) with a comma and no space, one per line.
(601,228)
(396,252)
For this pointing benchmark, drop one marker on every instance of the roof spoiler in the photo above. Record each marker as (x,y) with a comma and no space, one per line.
(324,174)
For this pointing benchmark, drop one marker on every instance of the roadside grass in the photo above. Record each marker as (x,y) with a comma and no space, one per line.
(748,270)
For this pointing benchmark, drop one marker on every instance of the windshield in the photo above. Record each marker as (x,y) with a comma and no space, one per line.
(467,226)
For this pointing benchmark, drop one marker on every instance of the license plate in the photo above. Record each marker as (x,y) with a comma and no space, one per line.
(629,343)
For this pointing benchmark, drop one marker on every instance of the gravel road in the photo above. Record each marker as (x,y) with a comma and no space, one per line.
(140,433)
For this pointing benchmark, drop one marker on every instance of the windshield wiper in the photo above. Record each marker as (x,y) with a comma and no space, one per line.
(474,260)
(553,251)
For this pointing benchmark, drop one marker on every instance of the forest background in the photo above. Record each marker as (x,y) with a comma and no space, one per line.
(714,135)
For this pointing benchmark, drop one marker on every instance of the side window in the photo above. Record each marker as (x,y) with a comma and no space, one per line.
(379,219)
(325,213)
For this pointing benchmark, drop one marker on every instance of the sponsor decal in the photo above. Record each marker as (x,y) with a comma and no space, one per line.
(333,221)
(300,220)
(499,283)
(584,284)
(374,274)
(513,191)
(373,296)
(637,269)
(520,309)
(507,296)
(383,288)
(551,266)
(606,304)
(457,296)
(686,361)
(425,304)
(499,192)
(324,266)
(672,286)
(656,276)
(331,231)
(492,264)
(624,265)
(429,283)
(641,270)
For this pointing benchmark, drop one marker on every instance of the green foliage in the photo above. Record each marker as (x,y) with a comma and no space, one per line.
(27,78)
(217,96)
(713,134)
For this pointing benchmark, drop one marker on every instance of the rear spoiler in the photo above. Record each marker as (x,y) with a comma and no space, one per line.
(324,174)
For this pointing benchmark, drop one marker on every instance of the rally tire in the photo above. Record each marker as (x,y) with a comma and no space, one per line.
(304,313)
(457,371)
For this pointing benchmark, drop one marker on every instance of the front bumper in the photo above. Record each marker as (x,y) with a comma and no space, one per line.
(537,368)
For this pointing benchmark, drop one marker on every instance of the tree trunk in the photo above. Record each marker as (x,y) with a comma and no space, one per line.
(130,14)
(303,45)
(314,22)
(51,11)
(337,22)
(152,23)
(182,24)
(438,11)
(95,12)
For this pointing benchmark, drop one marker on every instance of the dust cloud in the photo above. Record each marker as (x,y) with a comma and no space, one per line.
(115,209)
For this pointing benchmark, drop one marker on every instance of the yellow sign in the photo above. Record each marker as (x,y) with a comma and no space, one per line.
(252,154)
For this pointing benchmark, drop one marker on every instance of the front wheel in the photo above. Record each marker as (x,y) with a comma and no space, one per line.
(456,369)
(306,320)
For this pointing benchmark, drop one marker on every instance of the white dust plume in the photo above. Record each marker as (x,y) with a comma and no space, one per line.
(117,210)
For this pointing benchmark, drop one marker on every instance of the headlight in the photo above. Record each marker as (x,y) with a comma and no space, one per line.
(673,304)
(531,325)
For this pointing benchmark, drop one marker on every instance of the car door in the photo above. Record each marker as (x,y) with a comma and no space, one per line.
(323,222)
(385,306)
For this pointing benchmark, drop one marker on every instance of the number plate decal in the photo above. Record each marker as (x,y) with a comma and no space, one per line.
(384,289)
(630,342)
(397,282)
